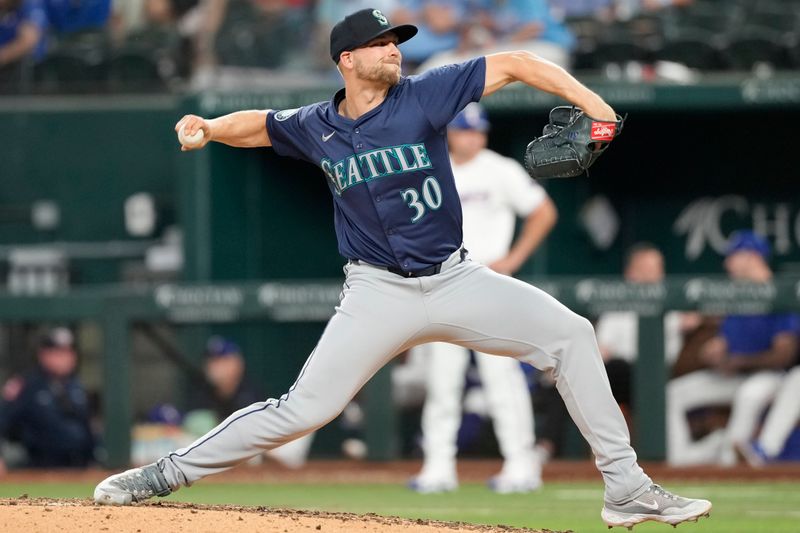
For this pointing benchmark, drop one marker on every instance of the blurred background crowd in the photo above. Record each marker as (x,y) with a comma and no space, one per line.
(138,45)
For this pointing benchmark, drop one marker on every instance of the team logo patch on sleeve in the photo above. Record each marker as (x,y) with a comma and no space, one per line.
(603,131)
(280,116)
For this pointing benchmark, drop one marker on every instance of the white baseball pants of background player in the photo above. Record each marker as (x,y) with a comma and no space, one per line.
(783,416)
(747,395)
(509,405)
(382,314)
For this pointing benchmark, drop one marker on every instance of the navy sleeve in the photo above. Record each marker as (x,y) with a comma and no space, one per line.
(287,134)
(444,91)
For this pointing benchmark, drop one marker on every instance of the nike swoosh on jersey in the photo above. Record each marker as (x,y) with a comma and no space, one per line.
(328,136)
(653,505)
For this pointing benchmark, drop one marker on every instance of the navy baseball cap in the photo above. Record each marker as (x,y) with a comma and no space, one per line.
(747,240)
(57,338)
(472,117)
(359,28)
(221,347)
(165,413)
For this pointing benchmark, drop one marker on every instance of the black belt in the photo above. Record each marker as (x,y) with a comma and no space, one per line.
(430,271)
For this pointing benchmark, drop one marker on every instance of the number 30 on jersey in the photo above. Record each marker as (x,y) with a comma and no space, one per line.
(431,198)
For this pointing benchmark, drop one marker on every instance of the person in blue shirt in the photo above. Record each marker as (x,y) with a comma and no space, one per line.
(381,145)
(501,25)
(47,410)
(22,33)
(746,362)
(440,24)
(228,387)
(70,16)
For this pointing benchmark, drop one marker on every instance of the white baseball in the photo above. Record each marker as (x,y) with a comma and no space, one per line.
(190,141)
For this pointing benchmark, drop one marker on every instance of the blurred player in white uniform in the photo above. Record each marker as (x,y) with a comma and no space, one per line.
(494,190)
(781,420)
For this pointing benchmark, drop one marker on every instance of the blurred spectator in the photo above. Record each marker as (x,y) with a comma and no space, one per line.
(497,25)
(134,17)
(440,23)
(22,35)
(599,9)
(746,363)
(627,9)
(266,34)
(224,370)
(230,391)
(781,422)
(46,411)
(127,16)
(159,45)
(71,16)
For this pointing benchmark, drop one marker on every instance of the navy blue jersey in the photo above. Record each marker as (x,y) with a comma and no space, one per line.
(395,200)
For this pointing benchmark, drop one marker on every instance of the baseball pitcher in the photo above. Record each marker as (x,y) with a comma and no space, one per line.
(380,143)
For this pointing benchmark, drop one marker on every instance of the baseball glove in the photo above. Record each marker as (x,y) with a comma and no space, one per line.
(570,143)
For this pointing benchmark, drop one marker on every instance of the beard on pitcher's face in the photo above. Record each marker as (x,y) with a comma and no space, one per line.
(379,60)
(387,70)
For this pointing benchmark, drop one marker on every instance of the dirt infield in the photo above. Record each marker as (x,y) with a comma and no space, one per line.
(39,515)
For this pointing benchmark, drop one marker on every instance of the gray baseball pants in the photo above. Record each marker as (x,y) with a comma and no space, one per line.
(382,314)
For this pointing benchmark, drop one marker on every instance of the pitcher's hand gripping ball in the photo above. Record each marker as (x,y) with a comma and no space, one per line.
(190,141)
(570,143)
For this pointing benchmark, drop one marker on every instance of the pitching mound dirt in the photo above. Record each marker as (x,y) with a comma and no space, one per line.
(41,515)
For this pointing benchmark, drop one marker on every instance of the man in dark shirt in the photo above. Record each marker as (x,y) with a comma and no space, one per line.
(47,410)
(224,370)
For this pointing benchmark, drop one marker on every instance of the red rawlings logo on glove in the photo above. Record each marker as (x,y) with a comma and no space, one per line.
(603,131)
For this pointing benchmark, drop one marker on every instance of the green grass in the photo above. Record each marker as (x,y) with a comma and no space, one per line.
(738,507)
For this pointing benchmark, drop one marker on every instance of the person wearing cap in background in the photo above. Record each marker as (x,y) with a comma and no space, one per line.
(46,411)
(229,391)
(224,368)
(746,363)
(494,190)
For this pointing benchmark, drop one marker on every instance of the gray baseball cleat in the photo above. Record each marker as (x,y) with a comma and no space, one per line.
(656,504)
(135,485)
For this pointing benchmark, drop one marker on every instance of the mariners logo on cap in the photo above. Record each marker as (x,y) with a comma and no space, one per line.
(381,18)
